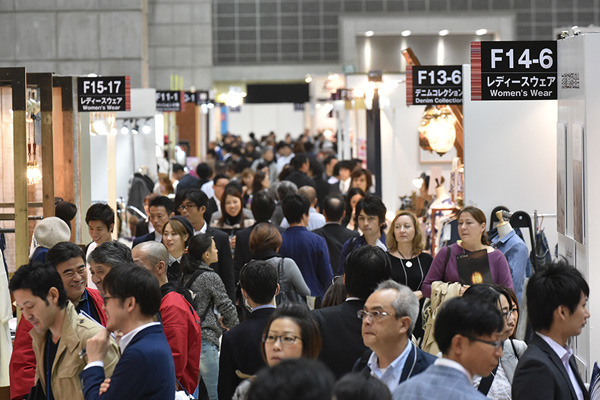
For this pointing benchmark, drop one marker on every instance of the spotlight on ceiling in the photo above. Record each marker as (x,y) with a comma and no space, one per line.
(369,33)
(444,32)
(481,32)
(405,33)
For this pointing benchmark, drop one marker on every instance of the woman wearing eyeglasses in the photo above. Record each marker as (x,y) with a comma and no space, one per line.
(290,333)
(498,385)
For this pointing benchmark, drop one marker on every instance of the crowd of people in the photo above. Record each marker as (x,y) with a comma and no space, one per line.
(273,273)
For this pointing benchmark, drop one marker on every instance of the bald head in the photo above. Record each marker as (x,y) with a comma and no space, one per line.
(154,257)
(334,208)
(310,193)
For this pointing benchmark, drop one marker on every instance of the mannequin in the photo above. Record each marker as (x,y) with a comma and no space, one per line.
(503,227)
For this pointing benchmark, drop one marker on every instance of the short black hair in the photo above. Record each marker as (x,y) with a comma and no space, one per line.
(329,158)
(298,161)
(39,278)
(204,171)
(488,292)
(293,379)
(551,286)
(334,207)
(466,316)
(262,206)
(63,251)
(317,169)
(345,164)
(366,266)
(219,176)
(371,205)
(112,254)
(100,212)
(259,279)
(361,386)
(196,196)
(177,167)
(294,206)
(162,201)
(131,280)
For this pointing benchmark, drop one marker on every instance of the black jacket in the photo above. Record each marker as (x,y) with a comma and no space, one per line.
(223,267)
(241,350)
(335,235)
(540,374)
(341,336)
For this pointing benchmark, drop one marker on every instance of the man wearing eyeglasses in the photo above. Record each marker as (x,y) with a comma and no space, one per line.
(388,320)
(58,335)
(468,333)
(557,304)
(68,259)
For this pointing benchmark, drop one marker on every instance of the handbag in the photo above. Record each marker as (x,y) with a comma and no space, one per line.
(286,293)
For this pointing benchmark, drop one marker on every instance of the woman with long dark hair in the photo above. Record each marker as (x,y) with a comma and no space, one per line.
(208,294)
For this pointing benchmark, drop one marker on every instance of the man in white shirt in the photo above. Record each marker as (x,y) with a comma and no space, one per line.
(388,320)
(557,297)
(468,333)
(145,370)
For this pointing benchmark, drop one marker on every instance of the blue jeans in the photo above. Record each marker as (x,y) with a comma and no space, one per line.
(209,368)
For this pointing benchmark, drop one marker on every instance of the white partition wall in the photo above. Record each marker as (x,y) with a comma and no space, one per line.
(578,105)
(280,118)
(510,155)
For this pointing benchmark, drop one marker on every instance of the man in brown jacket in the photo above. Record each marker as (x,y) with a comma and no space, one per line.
(59,334)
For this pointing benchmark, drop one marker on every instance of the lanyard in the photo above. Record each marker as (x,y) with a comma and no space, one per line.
(48,366)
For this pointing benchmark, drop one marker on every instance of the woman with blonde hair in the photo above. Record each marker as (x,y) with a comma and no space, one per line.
(409,263)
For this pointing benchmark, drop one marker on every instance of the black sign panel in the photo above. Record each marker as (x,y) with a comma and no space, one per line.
(104,93)
(434,84)
(169,100)
(190,97)
(514,70)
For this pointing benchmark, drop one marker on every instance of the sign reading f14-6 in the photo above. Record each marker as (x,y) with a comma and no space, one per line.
(514,70)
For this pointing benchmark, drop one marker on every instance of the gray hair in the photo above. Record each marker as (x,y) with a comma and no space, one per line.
(286,188)
(111,254)
(405,304)
(154,252)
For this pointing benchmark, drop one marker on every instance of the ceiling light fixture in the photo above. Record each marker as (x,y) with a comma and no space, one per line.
(444,32)
(480,32)
(405,33)
(369,33)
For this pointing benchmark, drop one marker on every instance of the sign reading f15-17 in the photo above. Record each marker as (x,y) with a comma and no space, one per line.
(514,70)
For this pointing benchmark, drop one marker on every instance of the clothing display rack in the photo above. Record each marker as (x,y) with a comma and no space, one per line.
(433,217)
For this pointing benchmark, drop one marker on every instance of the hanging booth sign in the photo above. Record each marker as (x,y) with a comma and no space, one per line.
(433,84)
(190,97)
(169,100)
(104,93)
(514,70)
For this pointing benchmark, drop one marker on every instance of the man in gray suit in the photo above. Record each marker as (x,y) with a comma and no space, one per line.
(468,333)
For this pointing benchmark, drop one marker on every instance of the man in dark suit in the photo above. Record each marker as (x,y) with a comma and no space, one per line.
(241,346)
(301,165)
(160,210)
(214,203)
(340,326)
(146,369)
(334,233)
(185,181)
(262,207)
(193,207)
(557,304)
(394,358)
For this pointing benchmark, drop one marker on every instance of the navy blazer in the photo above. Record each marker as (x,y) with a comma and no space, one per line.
(144,371)
(149,237)
(341,336)
(540,374)
(241,350)
(416,362)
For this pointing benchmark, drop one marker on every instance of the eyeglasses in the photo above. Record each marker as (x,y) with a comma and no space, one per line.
(510,313)
(362,314)
(187,207)
(286,340)
(497,344)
